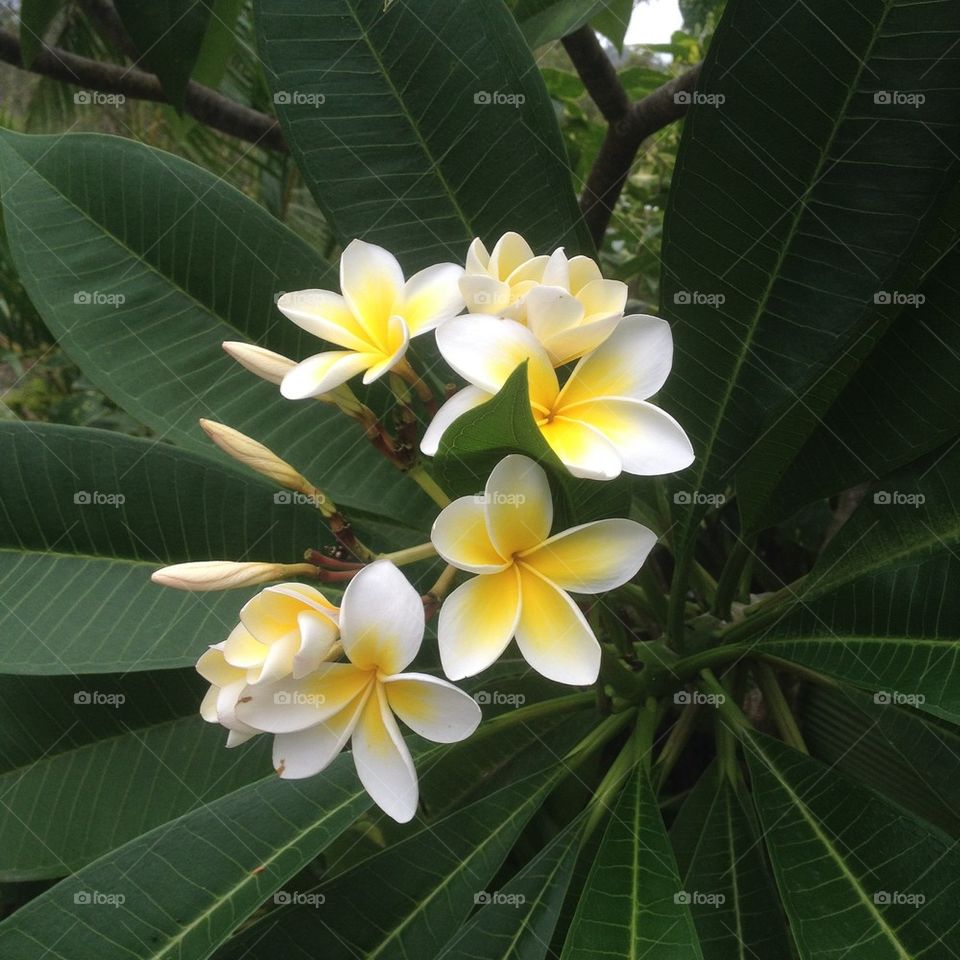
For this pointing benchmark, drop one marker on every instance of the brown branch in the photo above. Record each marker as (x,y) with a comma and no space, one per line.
(629,124)
(201,103)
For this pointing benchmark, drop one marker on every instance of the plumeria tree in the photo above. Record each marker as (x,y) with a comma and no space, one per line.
(458,605)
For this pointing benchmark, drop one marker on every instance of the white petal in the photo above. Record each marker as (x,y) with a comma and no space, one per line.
(236,737)
(478,259)
(381,619)
(519,507)
(551,310)
(372,285)
(323,372)
(568,345)
(453,409)
(430,296)
(593,557)
(582,271)
(509,252)
(486,350)
(431,707)
(648,440)
(318,642)
(483,294)
(291,705)
(584,451)
(326,315)
(383,761)
(307,752)
(557,271)
(553,635)
(603,298)
(461,538)
(633,361)
(477,622)
(278,662)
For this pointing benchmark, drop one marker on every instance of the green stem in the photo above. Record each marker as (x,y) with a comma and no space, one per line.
(676,612)
(725,704)
(730,577)
(430,487)
(676,741)
(779,708)
(573,701)
(422,551)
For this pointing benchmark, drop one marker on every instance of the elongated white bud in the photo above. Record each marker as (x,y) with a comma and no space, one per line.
(255,456)
(264,363)
(227,575)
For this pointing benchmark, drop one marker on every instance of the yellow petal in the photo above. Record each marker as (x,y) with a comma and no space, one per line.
(519,509)
(582,271)
(242,649)
(461,538)
(603,298)
(372,285)
(593,557)
(509,252)
(581,449)
(552,633)
(213,667)
(326,315)
(431,296)
(477,621)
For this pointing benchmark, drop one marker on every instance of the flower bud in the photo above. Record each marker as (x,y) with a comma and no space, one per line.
(227,575)
(264,363)
(255,456)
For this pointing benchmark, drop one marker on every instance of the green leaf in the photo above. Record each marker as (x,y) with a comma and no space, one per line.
(879,609)
(784,223)
(518,921)
(852,870)
(731,894)
(633,904)
(168,34)
(196,263)
(62,807)
(187,885)
(411,898)
(891,749)
(613,21)
(396,121)
(219,42)
(543,21)
(35,19)
(76,561)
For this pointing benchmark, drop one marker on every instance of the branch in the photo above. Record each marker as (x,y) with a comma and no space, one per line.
(629,124)
(201,103)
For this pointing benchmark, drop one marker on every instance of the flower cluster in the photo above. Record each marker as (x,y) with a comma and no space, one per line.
(316,675)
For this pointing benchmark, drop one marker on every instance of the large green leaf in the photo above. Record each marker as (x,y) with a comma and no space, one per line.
(181,889)
(410,899)
(421,125)
(168,35)
(61,804)
(896,751)
(731,894)
(880,609)
(78,596)
(195,263)
(853,871)
(784,224)
(542,21)
(633,904)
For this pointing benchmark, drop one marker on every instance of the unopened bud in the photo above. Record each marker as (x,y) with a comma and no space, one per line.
(227,575)
(264,363)
(255,456)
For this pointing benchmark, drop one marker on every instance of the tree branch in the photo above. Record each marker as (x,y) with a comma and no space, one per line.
(629,124)
(201,103)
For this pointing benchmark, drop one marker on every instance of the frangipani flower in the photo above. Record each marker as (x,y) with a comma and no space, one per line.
(599,423)
(567,304)
(220,703)
(523,575)
(381,629)
(286,629)
(373,319)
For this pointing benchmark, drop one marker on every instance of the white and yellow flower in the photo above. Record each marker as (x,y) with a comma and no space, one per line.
(373,318)
(524,575)
(566,303)
(600,423)
(381,629)
(227,683)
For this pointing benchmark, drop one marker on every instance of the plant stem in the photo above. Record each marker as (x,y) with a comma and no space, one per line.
(676,741)
(429,486)
(573,701)
(422,551)
(686,666)
(729,580)
(676,612)
(779,708)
